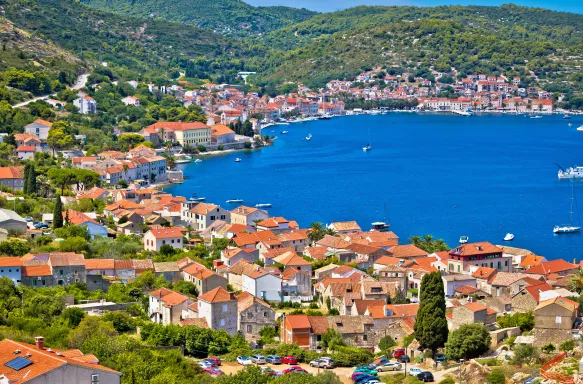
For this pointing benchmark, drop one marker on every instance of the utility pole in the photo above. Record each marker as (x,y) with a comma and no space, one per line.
(461,363)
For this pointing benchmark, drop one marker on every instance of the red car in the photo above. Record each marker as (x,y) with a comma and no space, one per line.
(289,360)
(214,372)
(398,352)
(214,360)
(294,369)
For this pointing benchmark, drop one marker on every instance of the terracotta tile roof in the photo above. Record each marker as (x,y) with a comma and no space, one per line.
(346,226)
(319,324)
(41,122)
(506,278)
(10,262)
(204,208)
(475,306)
(408,250)
(484,273)
(474,249)
(289,273)
(362,249)
(297,235)
(196,322)
(168,266)
(123,264)
(244,210)
(562,301)
(243,266)
(166,233)
(298,321)
(535,290)
(43,362)
(93,264)
(318,253)
(362,305)
(11,173)
(531,261)
(552,266)
(244,302)
(169,297)
(292,261)
(349,324)
(143,264)
(36,271)
(220,130)
(66,259)
(333,242)
(217,295)
(388,260)
(276,252)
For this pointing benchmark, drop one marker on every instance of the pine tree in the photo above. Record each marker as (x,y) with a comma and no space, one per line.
(58,213)
(431,325)
(25,179)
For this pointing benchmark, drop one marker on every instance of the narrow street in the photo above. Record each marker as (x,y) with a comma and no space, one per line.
(79,84)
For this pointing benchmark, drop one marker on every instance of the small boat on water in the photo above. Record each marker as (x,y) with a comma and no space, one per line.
(265,205)
(464,239)
(309,137)
(181,158)
(536,117)
(284,132)
(382,226)
(570,124)
(199,199)
(325,116)
(509,237)
(198,161)
(580,129)
(234,201)
(569,228)
(367,148)
(566,117)
(237,160)
(575,172)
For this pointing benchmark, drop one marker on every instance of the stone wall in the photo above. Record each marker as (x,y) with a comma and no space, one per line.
(551,336)
(502,334)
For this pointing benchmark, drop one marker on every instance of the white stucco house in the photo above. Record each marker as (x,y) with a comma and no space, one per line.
(263,285)
(154,239)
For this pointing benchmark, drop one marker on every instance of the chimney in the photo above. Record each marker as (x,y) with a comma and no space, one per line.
(40,342)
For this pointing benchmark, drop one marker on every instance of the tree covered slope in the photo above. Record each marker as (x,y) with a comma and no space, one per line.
(228,17)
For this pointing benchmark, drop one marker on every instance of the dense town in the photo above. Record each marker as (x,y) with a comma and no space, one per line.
(263,278)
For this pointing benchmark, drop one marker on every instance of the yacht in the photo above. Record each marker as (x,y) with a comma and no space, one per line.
(536,117)
(199,199)
(382,226)
(284,132)
(509,237)
(181,158)
(309,137)
(234,201)
(367,148)
(580,128)
(265,205)
(325,116)
(571,173)
(566,117)
(198,161)
(237,160)
(569,228)
(464,239)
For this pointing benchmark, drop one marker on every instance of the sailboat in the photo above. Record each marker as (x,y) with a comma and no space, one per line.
(367,147)
(559,229)
(382,226)
(309,137)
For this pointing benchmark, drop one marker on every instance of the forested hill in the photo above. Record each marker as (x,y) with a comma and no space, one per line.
(228,17)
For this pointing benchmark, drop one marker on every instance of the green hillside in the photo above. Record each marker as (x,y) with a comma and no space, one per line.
(227,17)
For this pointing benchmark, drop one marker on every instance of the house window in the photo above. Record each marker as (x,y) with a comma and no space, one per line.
(558,319)
(43,282)
(264,314)
(34,283)
(60,282)
(61,272)
(249,328)
(250,315)
(364,337)
(224,307)
(222,322)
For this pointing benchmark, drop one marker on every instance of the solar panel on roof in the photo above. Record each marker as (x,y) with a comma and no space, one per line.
(18,363)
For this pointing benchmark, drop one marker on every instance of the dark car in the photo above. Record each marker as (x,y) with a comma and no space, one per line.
(289,360)
(214,360)
(426,377)
(272,359)
(403,359)
(439,358)
(378,362)
(294,369)
(364,378)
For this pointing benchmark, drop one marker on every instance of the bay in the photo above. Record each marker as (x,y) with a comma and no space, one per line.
(445,175)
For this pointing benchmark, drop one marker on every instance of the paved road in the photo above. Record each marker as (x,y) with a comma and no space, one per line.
(79,84)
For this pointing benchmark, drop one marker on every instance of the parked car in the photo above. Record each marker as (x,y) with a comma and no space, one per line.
(324,362)
(366,369)
(398,352)
(267,371)
(205,364)
(258,359)
(294,369)
(40,226)
(389,366)
(378,362)
(244,360)
(289,360)
(426,377)
(403,358)
(361,379)
(28,219)
(213,371)
(439,358)
(215,360)
(272,359)
(414,371)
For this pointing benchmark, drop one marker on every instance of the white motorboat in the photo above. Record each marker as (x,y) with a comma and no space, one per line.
(284,132)
(569,228)
(580,129)
(536,117)
(265,205)
(309,137)
(570,125)
(237,160)
(509,237)
(571,173)
(367,148)
(198,161)
(198,199)
(181,158)
(464,239)
(566,117)
(234,201)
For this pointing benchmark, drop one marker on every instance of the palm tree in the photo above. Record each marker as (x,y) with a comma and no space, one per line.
(316,231)
(576,281)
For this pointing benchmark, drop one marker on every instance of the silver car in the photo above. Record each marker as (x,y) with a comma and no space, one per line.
(258,359)
(389,366)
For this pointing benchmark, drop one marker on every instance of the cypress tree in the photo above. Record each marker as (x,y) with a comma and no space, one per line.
(31,180)
(25,179)
(431,325)
(58,213)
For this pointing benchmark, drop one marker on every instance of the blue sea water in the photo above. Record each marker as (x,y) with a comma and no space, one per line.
(445,175)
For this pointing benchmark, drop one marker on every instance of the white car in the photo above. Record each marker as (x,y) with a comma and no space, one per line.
(244,360)
(389,366)
(414,371)
(204,364)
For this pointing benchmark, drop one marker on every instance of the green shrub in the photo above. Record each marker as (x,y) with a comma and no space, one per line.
(496,377)
(523,353)
(448,380)
(490,362)
(567,345)
(549,348)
